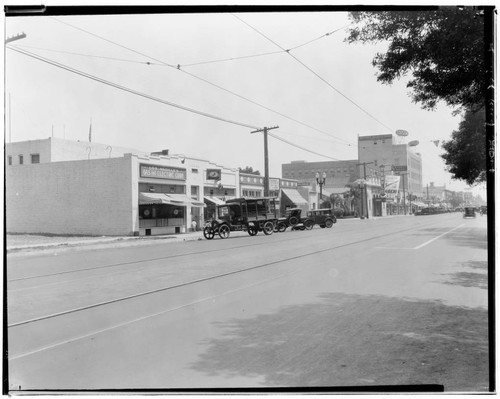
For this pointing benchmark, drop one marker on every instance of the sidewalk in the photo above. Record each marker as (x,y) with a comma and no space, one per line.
(30,242)
(22,243)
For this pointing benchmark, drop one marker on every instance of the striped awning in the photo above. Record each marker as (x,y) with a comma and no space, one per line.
(294,196)
(168,199)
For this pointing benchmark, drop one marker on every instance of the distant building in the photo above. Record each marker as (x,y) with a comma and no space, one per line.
(380,155)
(285,190)
(338,173)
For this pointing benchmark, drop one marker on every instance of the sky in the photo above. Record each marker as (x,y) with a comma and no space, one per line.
(200,84)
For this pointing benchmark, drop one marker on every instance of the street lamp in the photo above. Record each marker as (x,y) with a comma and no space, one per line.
(320,181)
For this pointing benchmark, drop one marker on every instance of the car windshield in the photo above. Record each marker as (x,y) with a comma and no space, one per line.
(222,211)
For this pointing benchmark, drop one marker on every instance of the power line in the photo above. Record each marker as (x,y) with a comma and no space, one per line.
(264,54)
(231,92)
(316,74)
(115,85)
(124,88)
(230,59)
(208,82)
(89,55)
(302,148)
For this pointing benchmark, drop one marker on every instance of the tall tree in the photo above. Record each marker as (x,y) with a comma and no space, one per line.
(442,48)
(467,140)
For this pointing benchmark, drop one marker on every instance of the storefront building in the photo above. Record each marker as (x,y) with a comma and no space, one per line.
(117,194)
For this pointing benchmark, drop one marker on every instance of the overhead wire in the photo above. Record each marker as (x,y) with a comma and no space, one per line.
(88,55)
(178,67)
(229,91)
(263,54)
(132,91)
(127,89)
(316,74)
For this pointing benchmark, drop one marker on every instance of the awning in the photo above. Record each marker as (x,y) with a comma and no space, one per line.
(214,200)
(169,199)
(294,196)
(184,200)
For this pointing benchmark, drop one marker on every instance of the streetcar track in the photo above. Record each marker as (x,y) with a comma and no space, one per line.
(144,260)
(150,260)
(204,279)
(142,318)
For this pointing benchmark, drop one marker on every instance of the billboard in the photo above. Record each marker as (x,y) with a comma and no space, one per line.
(392,185)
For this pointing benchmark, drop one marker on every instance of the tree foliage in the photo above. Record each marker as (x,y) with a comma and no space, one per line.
(465,154)
(442,52)
(249,170)
(443,49)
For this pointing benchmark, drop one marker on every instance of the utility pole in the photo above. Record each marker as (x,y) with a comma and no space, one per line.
(364,167)
(404,193)
(266,158)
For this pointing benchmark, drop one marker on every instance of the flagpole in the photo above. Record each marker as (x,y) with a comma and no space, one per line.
(90,131)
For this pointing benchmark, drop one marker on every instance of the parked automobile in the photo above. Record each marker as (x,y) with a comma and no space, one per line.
(483,210)
(293,218)
(322,217)
(243,214)
(469,212)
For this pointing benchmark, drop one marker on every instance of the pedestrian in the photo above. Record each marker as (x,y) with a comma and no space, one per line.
(193,225)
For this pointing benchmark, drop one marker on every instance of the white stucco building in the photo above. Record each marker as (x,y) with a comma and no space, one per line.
(65,187)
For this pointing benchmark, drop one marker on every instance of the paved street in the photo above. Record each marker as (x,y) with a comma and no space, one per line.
(389,301)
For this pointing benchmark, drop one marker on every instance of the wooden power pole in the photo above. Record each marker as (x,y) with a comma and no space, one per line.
(266,158)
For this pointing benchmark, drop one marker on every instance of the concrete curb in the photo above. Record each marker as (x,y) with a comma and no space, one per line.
(192,236)
(106,240)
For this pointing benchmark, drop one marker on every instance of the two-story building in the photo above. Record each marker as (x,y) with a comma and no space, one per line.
(67,187)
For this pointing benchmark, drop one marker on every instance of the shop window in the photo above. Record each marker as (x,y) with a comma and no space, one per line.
(194,170)
(21,159)
(35,158)
(10,159)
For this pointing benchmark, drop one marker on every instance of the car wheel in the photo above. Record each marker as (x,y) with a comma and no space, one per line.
(208,233)
(293,221)
(328,223)
(309,224)
(252,230)
(224,231)
(282,227)
(268,228)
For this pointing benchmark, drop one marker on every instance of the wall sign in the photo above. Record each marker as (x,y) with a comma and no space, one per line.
(214,174)
(162,172)
(274,184)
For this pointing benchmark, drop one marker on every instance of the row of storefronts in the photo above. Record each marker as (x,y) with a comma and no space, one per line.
(130,193)
(134,193)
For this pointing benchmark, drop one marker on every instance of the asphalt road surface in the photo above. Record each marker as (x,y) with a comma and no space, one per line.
(388,302)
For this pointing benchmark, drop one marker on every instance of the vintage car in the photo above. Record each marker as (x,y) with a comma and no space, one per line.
(322,217)
(243,214)
(293,218)
(483,210)
(469,212)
